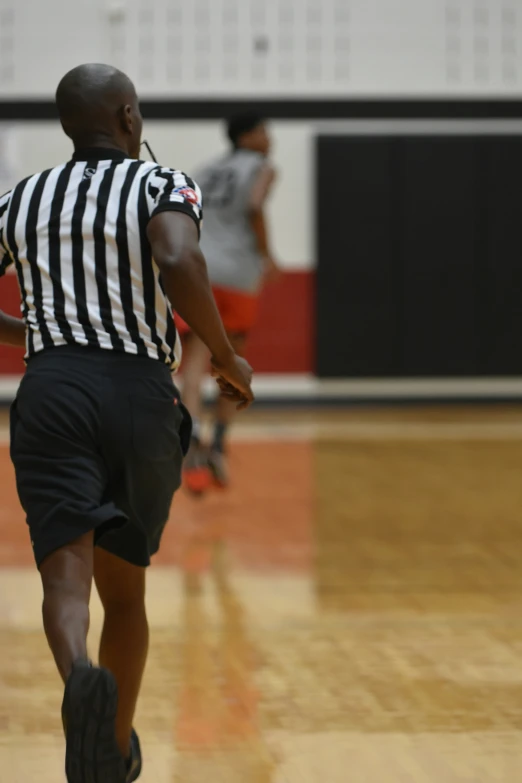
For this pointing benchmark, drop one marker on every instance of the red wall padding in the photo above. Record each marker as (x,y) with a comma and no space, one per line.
(282,342)
(11,359)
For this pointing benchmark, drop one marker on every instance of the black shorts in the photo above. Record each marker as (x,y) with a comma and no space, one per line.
(97,442)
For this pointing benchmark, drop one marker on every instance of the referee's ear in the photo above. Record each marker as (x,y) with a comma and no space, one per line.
(125,119)
(131,125)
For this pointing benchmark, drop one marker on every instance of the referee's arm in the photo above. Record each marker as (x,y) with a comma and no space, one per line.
(12,330)
(175,208)
(175,248)
(174,239)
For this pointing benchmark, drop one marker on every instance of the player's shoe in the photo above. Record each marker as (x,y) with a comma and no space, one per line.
(134,764)
(89,717)
(217,462)
(196,474)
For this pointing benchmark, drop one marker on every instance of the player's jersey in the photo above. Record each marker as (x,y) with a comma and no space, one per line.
(227,239)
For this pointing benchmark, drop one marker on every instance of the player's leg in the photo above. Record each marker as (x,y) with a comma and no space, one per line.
(195,367)
(196,476)
(125,636)
(238,310)
(225,414)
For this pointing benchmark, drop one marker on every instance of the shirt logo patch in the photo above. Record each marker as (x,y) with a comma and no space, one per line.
(188,194)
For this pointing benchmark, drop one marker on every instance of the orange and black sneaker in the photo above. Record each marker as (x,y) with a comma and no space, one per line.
(196,474)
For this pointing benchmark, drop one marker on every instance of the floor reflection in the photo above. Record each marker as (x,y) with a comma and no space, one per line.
(217,732)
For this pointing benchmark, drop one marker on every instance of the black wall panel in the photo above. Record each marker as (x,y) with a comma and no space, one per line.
(419,256)
(501,256)
(436,256)
(357,306)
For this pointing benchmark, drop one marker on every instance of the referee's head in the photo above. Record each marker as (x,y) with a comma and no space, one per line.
(98,107)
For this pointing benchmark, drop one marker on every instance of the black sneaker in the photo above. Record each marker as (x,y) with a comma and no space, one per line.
(134,763)
(218,465)
(89,714)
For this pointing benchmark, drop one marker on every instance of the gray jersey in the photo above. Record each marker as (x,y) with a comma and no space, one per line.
(227,239)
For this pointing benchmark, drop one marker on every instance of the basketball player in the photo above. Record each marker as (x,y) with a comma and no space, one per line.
(97,428)
(239,258)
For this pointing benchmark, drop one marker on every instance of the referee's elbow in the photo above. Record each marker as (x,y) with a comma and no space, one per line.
(182,257)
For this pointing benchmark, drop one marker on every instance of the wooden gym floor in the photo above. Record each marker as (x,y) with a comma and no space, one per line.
(350,611)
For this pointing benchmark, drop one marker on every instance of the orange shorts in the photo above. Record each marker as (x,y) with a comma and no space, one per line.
(237,309)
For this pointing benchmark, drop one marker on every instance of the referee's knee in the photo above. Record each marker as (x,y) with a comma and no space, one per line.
(120,585)
(69,568)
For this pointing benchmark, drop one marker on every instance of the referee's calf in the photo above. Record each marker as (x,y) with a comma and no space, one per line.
(104,246)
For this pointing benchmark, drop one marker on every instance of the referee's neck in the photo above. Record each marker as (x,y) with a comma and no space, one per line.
(97,142)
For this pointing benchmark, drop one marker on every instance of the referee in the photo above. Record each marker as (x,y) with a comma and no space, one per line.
(103,246)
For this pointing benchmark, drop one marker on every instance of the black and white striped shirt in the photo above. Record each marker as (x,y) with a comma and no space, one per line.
(77,235)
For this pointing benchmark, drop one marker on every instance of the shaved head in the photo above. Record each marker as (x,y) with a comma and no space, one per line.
(97,102)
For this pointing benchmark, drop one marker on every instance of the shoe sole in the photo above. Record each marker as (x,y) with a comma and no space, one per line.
(89,708)
(135,771)
(197,480)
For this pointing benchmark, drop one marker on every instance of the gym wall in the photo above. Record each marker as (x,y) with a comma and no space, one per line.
(304,63)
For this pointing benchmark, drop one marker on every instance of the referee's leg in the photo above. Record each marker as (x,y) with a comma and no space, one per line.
(124,641)
(66,579)
(61,479)
(143,436)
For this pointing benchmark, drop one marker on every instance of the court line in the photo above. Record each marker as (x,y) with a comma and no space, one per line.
(308,387)
(357,431)
(392,431)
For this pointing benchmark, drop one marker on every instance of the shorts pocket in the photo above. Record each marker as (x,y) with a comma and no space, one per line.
(185,429)
(13,421)
(155,428)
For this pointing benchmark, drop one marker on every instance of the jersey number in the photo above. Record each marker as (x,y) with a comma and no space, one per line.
(220,189)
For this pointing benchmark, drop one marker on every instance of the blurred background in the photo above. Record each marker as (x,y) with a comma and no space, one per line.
(397,141)
(353,600)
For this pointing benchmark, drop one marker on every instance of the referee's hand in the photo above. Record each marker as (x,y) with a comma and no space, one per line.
(234,378)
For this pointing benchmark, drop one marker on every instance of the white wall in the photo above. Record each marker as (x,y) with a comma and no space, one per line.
(268,47)
(34,146)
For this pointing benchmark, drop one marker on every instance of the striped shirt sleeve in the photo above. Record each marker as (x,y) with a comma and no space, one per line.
(5,257)
(174,191)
